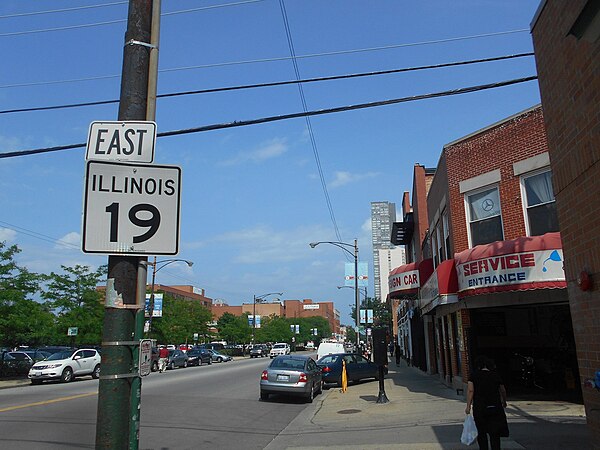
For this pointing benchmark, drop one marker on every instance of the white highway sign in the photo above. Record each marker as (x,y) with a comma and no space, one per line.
(131,209)
(130,141)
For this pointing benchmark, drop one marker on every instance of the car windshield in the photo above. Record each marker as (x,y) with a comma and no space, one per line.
(59,355)
(279,346)
(285,363)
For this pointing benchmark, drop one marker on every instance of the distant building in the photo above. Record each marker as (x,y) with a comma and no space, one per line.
(287,308)
(389,259)
(383,215)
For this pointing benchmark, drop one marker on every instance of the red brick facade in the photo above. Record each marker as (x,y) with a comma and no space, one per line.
(568,64)
(497,147)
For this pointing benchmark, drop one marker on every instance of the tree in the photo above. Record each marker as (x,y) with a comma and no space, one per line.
(274,329)
(76,302)
(382,316)
(180,320)
(234,329)
(22,319)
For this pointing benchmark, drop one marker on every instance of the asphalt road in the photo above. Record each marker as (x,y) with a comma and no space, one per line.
(212,406)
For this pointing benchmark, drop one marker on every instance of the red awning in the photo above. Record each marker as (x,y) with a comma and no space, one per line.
(534,262)
(441,288)
(407,279)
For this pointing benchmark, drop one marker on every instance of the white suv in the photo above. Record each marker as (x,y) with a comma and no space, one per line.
(279,349)
(66,365)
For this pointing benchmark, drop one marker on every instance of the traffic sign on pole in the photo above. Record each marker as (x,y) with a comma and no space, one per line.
(131,141)
(131,209)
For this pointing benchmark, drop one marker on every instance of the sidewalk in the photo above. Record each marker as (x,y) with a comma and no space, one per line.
(422,414)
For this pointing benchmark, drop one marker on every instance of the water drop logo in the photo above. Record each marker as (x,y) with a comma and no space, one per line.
(554,256)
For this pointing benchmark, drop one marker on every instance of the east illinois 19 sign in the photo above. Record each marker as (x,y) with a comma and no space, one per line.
(131,209)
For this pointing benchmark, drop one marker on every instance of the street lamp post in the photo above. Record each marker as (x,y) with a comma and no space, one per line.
(259,298)
(344,246)
(155,269)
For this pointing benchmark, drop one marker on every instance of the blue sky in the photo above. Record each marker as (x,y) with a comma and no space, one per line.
(252,198)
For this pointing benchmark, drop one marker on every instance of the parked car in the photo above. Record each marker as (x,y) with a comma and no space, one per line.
(281,348)
(177,358)
(66,365)
(258,351)
(291,375)
(27,358)
(9,366)
(219,357)
(197,357)
(357,368)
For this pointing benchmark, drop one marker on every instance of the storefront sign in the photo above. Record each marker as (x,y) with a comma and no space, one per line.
(310,306)
(404,281)
(515,271)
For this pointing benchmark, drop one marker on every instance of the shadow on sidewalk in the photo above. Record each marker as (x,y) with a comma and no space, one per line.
(415,380)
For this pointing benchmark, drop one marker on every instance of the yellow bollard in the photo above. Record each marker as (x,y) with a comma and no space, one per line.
(344,377)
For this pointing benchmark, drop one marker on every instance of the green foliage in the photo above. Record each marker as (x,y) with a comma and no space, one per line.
(234,329)
(180,320)
(278,329)
(22,320)
(382,316)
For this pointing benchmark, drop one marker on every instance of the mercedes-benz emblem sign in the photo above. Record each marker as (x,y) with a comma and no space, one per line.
(487,204)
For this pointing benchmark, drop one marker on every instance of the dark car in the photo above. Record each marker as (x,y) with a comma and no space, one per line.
(258,351)
(357,368)
(154,359)
(27,358)
(197,357)
(291,375)
(177,358)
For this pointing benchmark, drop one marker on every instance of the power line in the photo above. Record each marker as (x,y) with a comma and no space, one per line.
(78,8)
(275,83)
(37,235)
(111,22)
(236,124)
(276,59)
(311,133)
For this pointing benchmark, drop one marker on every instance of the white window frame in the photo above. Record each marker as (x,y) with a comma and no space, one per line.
(468,211)
(524,195)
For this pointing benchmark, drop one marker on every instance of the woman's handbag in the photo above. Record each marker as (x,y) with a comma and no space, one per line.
(469,433)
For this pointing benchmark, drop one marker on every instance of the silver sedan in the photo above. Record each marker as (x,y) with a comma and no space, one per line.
(291,375)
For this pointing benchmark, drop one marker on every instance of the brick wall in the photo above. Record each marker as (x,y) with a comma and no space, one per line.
(497,147)
(569,80)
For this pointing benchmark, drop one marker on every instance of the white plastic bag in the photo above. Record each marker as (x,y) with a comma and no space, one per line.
(469,433)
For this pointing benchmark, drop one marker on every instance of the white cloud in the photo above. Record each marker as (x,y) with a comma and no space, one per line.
(70,241)
(344,178)
(366,226)
(270,149)
(7,235)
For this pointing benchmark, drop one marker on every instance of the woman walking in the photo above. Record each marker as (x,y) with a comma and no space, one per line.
(487,395)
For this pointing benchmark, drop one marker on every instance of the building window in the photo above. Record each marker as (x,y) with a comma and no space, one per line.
(540,207)
(446,233)
(484,216)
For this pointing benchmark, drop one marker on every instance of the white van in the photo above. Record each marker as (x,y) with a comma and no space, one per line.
(328,348)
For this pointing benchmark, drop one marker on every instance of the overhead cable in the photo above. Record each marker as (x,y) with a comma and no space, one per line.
(235,124)
(52,11)
(111,22)
(263,60)
(309,127)
(275,83)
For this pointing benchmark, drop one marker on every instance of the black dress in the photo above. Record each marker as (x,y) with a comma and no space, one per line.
(487,405)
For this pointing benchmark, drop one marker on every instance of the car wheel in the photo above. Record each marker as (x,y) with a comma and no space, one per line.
(36,381)
(172,365)
(154,366)
(311,394)
(209,362)
(321,387)
(67,375)
(219,359)
(96,372)
(339,382)
(184,364)
(199,362)
(264,396)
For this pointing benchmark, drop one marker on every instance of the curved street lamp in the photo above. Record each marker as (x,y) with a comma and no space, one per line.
(352,287)
(259,298)
(344,246)
(156,268)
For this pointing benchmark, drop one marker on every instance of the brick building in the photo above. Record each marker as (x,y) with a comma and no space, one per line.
(497,287)
(566,36)
(287,308)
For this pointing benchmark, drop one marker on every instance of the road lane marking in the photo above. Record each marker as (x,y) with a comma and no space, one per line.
(48,402)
